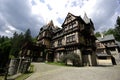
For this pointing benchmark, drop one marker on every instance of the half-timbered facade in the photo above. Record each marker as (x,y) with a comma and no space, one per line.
(75,36)
(108,44)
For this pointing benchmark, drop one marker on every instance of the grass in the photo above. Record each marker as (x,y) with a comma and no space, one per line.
(27,74)
(2,77)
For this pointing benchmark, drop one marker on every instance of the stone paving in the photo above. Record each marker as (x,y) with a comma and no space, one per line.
(51,72)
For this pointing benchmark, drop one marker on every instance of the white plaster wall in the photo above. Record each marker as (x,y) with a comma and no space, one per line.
(64,41)
(78,51)
(104,62)
(76,36)
(55,43)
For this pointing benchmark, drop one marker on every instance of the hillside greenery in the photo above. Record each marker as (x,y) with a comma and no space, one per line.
(115,31)
(11,46)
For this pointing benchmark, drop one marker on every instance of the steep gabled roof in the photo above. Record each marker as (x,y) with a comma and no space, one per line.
(68,15)
(106,38)
(47,26)
(86,19)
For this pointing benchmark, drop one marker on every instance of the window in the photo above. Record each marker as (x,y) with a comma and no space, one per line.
(66,28)
(70,26)
(112,49)
(59,42)
(74,23)
(73,37)
(70,39)
(69,18)
(52,44)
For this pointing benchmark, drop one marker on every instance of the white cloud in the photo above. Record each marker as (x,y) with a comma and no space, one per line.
(101,11)
(11,28)
(7,31)
(20,15)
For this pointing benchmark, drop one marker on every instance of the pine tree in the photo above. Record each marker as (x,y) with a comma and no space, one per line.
(14,48)
(18,41)
(5,47)
(117,29)
(27,36)
(109,31)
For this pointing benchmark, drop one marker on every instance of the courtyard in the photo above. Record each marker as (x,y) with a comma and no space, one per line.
(53,72)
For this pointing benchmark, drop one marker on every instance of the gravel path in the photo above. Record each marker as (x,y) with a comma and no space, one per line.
(52,72)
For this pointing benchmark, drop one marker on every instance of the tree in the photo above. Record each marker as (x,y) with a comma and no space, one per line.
(73,57)
(27,36)
(5,47)
(109,31)
(97,34)
(17,41)
(117,29)
(14,48)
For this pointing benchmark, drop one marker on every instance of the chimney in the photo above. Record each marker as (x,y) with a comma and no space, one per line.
(102,35)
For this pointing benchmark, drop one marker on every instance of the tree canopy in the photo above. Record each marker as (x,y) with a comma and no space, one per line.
(10,47)
(117,29)
(18,41)
(97,34)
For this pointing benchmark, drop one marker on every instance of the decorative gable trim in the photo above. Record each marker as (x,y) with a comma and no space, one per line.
(70,17)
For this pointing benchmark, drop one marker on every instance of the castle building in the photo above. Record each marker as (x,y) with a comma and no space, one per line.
(76,35)
(108,47)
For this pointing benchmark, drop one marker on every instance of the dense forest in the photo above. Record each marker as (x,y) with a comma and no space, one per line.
(10,47)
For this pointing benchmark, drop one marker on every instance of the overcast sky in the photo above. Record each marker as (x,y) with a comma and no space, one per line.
(19,15)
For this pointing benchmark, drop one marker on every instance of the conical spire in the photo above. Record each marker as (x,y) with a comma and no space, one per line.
(86,19)
(51,23)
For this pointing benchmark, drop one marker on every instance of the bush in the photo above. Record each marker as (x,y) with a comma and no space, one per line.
(74,58)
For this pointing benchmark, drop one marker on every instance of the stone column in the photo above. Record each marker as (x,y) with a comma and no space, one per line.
(80,55)
(89,59)
(117,56)
(28,52)
(58,56)
(94,59)
(46,57)
(13,66)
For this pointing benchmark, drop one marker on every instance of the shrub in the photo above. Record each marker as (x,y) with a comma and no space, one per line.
(74,58)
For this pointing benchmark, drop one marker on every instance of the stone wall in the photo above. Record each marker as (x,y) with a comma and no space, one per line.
(13,66)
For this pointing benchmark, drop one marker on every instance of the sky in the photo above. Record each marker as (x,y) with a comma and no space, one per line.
(20,15)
